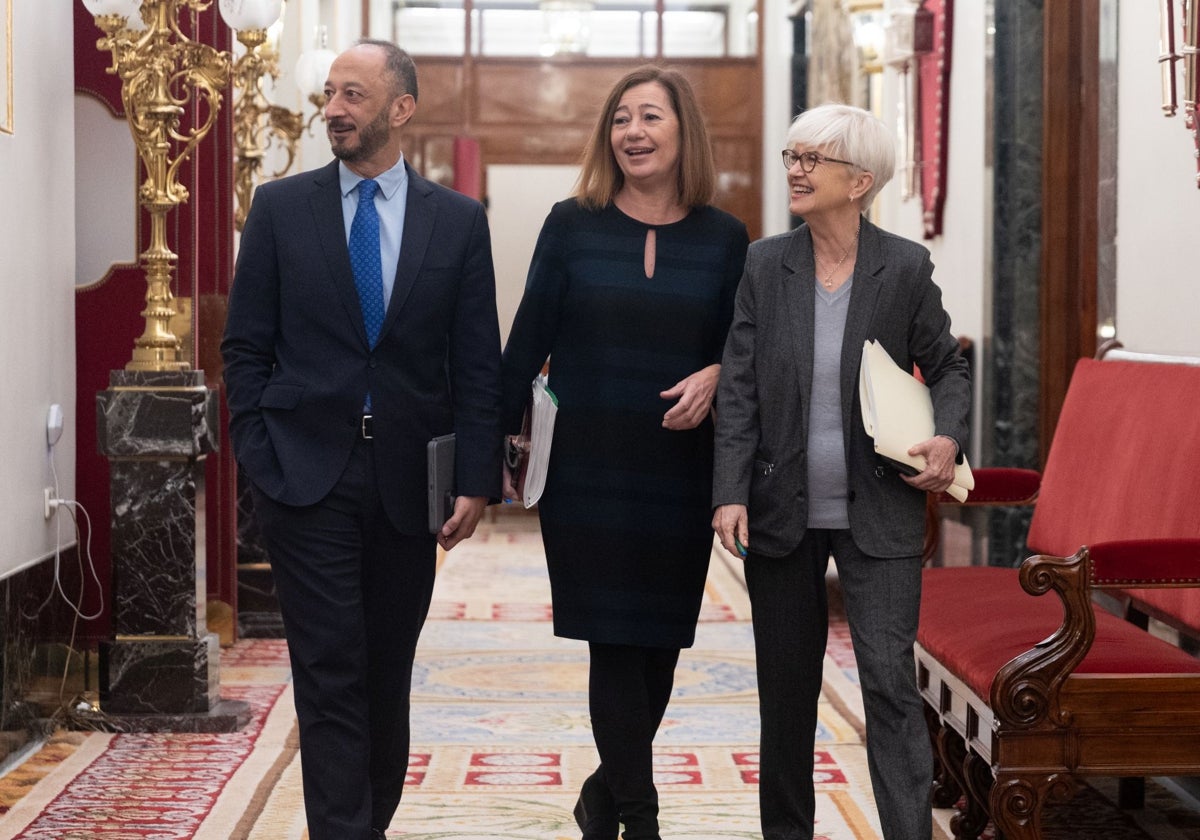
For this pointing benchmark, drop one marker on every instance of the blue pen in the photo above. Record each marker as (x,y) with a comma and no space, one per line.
(741,548)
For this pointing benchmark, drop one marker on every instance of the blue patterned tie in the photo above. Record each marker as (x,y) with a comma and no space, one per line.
(365,259)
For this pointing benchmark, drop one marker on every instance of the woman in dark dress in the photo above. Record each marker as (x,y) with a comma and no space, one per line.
(630,294)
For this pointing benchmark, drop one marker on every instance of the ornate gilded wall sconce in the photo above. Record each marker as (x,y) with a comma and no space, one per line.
(162,73)
(257,123)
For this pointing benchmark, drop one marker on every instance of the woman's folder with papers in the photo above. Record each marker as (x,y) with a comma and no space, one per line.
(897,412)
(543,408)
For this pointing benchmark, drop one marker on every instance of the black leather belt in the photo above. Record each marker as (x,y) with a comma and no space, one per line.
(368,427)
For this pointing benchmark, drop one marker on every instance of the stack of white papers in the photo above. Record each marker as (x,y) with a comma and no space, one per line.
(898,414)
(543,409)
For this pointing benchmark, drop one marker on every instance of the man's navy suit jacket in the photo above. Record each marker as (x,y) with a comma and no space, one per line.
(297,364)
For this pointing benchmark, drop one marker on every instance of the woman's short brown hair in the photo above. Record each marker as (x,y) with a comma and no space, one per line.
(601,177)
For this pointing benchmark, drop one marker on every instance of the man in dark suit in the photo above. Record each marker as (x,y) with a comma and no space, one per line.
(331,407)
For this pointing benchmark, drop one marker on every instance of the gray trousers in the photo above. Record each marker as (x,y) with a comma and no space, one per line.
(791,621)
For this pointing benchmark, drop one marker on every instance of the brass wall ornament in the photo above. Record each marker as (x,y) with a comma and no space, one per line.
(257,123)
(162,72)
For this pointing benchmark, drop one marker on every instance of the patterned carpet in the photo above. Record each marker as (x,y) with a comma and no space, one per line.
(501,735)
(500,723)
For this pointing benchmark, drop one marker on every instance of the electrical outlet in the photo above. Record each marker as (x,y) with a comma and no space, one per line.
(49,502)
(54,424)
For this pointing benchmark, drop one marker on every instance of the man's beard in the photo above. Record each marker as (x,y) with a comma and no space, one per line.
(371,138)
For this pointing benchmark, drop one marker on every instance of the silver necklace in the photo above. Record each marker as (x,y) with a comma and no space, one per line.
(828,281)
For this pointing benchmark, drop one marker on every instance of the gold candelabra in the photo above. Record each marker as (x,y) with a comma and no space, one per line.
(162,71)
(256,122)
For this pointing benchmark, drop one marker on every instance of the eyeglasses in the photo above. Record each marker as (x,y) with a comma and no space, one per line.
(809,160)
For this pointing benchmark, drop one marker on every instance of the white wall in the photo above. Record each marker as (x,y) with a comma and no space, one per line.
(37,304)
(519,197)
(1158,203)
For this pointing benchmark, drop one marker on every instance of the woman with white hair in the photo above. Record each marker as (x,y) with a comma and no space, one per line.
(796,477)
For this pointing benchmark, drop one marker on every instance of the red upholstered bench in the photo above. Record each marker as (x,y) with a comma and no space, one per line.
(1027,694)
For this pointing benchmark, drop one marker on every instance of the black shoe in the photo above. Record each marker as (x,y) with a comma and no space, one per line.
(595,811)
(639,812)
(640,819)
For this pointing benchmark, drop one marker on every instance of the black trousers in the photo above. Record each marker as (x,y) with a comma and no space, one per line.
(791,626)
(354,593)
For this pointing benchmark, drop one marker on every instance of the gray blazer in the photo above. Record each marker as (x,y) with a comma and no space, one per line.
(766,378)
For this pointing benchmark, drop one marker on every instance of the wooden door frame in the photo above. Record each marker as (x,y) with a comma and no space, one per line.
(1070,179)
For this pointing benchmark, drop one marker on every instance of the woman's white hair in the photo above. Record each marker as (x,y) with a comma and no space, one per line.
(852,134)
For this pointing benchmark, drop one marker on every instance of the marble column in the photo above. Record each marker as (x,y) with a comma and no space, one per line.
(1013,357)
(160,671)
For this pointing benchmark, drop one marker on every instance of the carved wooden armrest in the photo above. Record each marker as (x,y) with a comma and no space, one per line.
(1025,690)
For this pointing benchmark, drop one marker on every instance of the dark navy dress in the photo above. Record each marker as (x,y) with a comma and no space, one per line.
(626,513)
